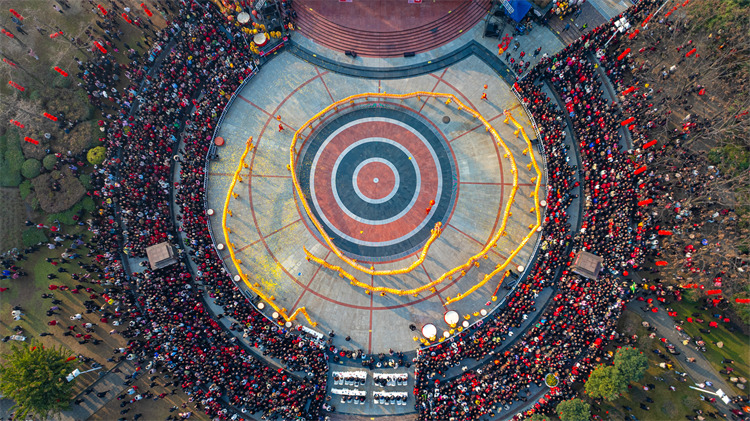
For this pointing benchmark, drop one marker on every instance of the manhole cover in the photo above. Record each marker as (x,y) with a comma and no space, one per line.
(446,119)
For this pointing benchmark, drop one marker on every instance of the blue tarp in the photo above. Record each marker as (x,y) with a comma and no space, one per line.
(516,9)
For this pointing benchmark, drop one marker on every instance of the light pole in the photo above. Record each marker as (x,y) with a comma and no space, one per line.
(723,396)
(75,373)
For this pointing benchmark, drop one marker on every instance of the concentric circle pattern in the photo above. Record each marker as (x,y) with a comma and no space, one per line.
(378,177)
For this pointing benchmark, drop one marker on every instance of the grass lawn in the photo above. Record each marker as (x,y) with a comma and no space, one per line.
(26,292)
(11,221)
(736,344)
(667,405)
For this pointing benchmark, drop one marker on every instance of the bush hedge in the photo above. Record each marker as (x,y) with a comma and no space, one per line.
(11,159)
(31,168)
(96,155)
(33,236)
(25,188)
(49,162)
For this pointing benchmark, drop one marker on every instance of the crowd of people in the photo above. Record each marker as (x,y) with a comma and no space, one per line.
(580,317)
(180,95)
(167,113)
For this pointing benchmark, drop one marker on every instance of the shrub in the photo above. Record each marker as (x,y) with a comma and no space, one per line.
(85,179)
(61,82)
(11,159)
(88,204)
(31,168)
(25,188)
(66,217)
(96,155)
(49,162)
(33,236)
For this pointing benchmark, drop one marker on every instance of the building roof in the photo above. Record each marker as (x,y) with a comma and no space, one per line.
(587,265)
(160,255)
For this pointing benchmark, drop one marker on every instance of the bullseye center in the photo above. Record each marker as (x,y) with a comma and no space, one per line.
(375,180)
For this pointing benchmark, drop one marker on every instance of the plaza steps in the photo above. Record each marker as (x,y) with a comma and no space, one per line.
(391,43)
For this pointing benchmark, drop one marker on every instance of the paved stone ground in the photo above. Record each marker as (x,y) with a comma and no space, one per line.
(269,232)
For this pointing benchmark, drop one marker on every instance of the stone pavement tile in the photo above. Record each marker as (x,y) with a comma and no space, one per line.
(408,85)
(273,203)
(476,157)
(111,382)
(278,79)
(460,123)
(477,217)
(610,8)
(342,86)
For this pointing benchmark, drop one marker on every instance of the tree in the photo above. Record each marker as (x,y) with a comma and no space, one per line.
(574,410)
(49,162)
(31,168)
(34,377)
(96,155)
(631,364)
(605,382)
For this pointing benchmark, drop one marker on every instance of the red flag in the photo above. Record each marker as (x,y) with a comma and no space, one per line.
(30,140)
(628,121)
(645,202)
(17,86)
(145,9)
(50,116)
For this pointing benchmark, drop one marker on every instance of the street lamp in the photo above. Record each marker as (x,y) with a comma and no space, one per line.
(75,373)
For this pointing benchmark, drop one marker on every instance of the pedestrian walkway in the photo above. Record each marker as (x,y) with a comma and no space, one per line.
(699,371)
(112,382)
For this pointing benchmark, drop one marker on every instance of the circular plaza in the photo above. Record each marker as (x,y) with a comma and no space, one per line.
(371,207)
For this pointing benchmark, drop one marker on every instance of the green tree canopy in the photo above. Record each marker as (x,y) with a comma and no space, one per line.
(574,410)
(49,161)
(96,155)
(605,382)
(34,377)
(631,363)
(31,168)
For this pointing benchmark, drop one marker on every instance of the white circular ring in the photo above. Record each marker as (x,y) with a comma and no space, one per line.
(376,180)
(324,219)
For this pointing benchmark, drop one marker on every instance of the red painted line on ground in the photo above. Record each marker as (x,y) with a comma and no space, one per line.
(477,241)
(277,108)
(429,278)
(472,129)
(433,89)
(270,176)
(294,307)
(256,241)
(324,82)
